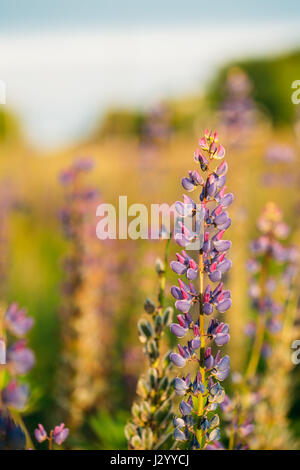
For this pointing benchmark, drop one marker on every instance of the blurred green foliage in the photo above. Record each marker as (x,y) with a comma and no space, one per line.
(33,281)
(126,122)
(9,126)
(109,430)
(272,80)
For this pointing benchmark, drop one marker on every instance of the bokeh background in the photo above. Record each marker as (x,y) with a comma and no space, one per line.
(132,85)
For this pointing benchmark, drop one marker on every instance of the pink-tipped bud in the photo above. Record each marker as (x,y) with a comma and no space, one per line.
(213,267)
(196,330)
(220,234)
(180,258)
(193,264)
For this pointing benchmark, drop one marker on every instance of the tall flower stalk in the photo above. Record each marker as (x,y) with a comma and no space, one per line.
(86,313)
(273,268)
(271,413)
(150,426)
(18,361)
(200,389)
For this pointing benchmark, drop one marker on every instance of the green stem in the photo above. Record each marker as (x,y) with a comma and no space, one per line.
(199,432)
(163,275)
(257,346)
(2,367)
(260,325)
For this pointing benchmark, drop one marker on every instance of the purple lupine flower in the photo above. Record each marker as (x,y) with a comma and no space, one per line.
(17,321)
(238,110)
(60,434)
(221,368)
(280,153)
(215,445)
(178,330)
(19,361)
(15,395)
(179,435)
(178,359)
(219,332)
(180,386)
(246,428)
(66,177)
(185,265)
(40,433)
(226,405)
(211,222)
(185,296)
(83,164)
(20,358)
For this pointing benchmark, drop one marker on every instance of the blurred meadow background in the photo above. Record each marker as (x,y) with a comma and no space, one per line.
(132,86)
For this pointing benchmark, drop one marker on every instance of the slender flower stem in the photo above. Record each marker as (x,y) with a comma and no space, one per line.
(201,313)
(163,275)
(260,326)
(256,351)
(231,440)
(2,367)
(50,440)
(202,339)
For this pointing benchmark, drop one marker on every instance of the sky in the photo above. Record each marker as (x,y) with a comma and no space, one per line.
(66,62)
(77,13)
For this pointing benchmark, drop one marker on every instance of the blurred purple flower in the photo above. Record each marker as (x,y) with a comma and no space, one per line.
(15,395)
(40,433)
(60,434)
(17,321)
(20,358)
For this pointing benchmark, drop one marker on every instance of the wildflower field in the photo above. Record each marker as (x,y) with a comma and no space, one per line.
(149,343)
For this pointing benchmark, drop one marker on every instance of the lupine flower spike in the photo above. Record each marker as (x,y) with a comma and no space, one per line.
(19,359)
(269,256)
(273,268)
(198,425)
(255,415)
(150,426)
(86,308)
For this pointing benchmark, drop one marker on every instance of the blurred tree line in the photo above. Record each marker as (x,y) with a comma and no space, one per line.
(271,79)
